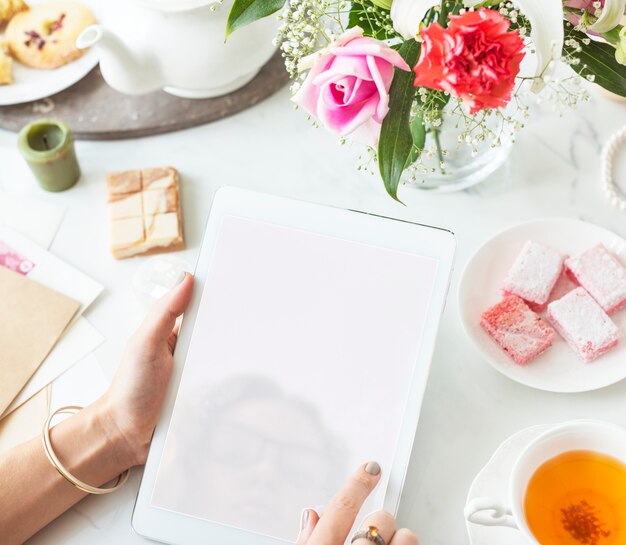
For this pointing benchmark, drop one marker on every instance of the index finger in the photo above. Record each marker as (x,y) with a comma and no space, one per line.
(340,514)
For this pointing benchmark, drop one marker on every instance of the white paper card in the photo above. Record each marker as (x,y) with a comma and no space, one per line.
(79,340)
(296,374)
(81,385)
(49,270)
(35,219)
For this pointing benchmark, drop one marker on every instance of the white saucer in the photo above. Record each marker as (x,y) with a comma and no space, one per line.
(492,482)
(33,84)
(559,369)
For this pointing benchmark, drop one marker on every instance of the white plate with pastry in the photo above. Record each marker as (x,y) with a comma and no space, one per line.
(559,369)
(38,55)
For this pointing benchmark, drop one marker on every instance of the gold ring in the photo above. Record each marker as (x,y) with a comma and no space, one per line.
(371,534)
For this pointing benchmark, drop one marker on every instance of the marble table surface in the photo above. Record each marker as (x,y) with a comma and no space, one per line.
(469,408)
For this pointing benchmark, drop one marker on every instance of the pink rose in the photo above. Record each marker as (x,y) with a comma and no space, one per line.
(475,59)
(347,87)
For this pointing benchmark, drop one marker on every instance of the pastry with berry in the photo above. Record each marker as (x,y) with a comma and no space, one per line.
(45,35)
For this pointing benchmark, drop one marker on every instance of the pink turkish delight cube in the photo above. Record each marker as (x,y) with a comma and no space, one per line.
(602,275)
(534,274)
(583,324)
(519,331)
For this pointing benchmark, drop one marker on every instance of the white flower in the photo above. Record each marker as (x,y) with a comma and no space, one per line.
(407,16)
(610,16)
(546,21)
(620,50)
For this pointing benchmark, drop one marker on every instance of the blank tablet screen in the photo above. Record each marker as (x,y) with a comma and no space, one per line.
(298,370)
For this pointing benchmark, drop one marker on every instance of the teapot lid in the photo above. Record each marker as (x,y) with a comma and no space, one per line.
(176,5)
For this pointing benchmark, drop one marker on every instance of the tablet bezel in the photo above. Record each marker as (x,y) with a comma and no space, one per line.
(170,527)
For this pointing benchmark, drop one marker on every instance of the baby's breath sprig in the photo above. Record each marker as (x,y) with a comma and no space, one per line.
(367,161)
(374,20)
(564,93)
(431,104)
(517,18)
(307,26)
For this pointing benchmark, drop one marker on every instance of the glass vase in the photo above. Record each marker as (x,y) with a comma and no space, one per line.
(451,161)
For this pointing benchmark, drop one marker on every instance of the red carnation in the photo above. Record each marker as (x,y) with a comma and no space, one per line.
(475,59)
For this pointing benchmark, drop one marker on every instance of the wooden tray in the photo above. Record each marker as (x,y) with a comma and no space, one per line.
(97,112)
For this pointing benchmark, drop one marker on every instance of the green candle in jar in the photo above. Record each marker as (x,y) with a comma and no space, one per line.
(48,147)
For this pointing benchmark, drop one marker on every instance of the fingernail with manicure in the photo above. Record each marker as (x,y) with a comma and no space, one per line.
(304,518)
(372,468)
(180,276)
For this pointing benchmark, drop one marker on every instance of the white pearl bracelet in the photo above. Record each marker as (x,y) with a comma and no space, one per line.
(606,164)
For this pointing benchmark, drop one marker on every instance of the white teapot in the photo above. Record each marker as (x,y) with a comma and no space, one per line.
(178,46)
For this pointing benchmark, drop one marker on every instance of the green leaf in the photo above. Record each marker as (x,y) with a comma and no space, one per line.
(418,133)
(597,59)
(396,139)
(443,14)
(612,36)
(245,12)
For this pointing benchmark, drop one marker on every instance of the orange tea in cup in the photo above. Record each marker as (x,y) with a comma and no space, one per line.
(578,498)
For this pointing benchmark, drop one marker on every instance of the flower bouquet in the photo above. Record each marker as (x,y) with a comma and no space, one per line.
(402,75)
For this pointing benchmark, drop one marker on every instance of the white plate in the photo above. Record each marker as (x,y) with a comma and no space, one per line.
(493,482)
(33,84)
(559,369)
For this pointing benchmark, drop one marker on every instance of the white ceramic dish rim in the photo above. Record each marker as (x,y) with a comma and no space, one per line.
(536,431)
(168,6)
(52,81)
(535,436)
(463,288)
(528,461)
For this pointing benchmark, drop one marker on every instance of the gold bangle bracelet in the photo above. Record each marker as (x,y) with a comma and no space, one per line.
(54,460)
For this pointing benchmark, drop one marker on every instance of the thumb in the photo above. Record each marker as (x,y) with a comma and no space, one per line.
(308,521)
(160,321)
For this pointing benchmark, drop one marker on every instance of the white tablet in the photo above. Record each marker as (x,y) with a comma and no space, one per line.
(304,353)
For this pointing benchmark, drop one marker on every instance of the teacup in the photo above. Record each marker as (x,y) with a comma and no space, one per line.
(578,435)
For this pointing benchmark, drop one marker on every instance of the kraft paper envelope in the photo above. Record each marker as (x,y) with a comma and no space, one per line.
(32,318)
(77,341)
(25,422)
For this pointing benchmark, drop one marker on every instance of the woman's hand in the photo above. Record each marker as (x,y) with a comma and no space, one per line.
(340,514)
(101,441)
(132,405)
